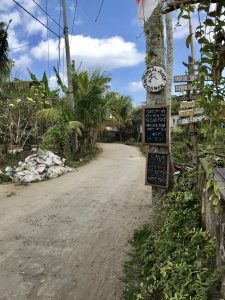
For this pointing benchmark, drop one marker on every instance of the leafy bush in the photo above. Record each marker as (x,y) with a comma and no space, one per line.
(130,141)
(56,138)
(174,260)
(180,146)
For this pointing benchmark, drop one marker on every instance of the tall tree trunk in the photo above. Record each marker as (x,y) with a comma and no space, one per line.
(156,57)
(155,51)
(169,56)
(169,73)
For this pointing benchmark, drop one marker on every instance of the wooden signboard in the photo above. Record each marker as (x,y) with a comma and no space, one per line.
(187,104)
(186,97)
(191,112)
(155,125)
(189,120)
(183,88)
(157,170)
(187,78)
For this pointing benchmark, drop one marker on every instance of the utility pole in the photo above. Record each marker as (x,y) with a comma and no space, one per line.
(68,63)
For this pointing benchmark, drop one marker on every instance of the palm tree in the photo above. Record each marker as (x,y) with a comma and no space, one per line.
(90,103)
(120,108)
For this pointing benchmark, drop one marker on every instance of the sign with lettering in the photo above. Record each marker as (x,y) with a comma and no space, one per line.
(155,125)
(186,97)
(183,88)
(157,169)
(187,78)
(154,79)
(187,104)
(189,120)
(191,112)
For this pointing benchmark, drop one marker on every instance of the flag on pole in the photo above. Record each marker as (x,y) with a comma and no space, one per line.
(146,8)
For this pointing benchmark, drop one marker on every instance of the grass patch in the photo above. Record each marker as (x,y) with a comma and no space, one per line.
(80,159)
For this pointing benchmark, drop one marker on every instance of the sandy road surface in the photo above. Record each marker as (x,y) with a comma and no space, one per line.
(67,238)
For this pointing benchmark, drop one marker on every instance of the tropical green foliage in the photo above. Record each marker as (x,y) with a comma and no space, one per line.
(120,109)
(5,62)
(174,260)
(90,103)
(56,138)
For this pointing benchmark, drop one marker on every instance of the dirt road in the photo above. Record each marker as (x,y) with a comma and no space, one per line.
(66,238)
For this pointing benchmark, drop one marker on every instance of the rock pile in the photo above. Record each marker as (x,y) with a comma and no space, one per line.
(40,166)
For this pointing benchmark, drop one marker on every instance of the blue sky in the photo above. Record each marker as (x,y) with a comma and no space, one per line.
(110,44)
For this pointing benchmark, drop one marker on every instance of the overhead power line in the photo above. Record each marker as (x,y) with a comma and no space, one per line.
(36,18)
(74,18)
(30,44)
(47,14)
(27,45)
(99,11)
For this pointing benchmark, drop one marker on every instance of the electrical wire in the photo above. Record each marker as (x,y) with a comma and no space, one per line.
(46,6)
(99,11)
(59,42)
(35,18)
(27,45)
(46,12)
(74,18)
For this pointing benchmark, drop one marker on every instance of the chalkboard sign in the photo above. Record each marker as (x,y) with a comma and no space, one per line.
(156,125)
(157,169)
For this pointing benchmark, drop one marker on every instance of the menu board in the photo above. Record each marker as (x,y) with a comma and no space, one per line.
(157,169)
(156,125)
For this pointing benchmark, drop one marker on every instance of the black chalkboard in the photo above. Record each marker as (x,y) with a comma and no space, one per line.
(157,169)
(155,125)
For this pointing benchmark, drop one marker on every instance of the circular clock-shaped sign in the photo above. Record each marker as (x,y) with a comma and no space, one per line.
(154,79)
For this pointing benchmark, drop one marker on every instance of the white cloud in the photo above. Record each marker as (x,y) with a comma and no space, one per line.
(107,54)
(15,16)
(14,42)
(6,5)
(32,27)
(136,86)
(182,31)
(23,62)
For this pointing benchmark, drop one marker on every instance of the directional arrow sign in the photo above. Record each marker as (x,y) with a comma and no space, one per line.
(187,104)
(191,112)
(190,120)
(183,88)
(186,97)
(186,78)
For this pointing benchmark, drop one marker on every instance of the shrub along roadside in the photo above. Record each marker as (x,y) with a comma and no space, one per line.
(175,258)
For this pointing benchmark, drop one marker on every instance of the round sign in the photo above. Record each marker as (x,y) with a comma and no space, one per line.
(154,79)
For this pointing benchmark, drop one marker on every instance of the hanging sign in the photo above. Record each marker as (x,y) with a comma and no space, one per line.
(155,124)
(154,79)
(157,170)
